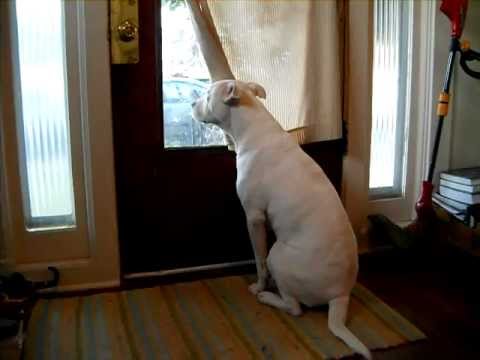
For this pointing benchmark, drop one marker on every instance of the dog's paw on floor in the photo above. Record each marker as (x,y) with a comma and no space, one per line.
(255,288)
(275,300)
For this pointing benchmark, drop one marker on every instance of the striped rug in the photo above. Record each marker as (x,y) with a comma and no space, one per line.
(206,319)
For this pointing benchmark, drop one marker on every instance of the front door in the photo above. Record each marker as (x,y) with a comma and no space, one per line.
(177,203)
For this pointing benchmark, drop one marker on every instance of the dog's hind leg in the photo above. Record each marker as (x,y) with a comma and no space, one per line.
(337,315)
(284,302)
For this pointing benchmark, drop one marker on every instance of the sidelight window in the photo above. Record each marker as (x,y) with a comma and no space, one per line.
(43,117)
(391,71)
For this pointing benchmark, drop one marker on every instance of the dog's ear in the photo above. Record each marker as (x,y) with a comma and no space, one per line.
(257,89)
(231,93)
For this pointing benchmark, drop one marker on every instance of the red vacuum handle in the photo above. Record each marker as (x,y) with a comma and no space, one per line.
(456,10)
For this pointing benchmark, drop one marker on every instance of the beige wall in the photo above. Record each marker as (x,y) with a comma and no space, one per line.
(460,145)
(465,141)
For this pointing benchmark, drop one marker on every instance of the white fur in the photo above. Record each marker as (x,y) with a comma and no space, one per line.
(314,260)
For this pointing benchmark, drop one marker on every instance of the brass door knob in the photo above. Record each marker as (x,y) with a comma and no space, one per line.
(127,31)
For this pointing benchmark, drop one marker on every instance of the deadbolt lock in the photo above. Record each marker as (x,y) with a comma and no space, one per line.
(127,31)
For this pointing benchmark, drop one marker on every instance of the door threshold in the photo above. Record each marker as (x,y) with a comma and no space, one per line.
(187,270)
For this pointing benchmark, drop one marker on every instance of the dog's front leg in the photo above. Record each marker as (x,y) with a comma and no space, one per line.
(258,237)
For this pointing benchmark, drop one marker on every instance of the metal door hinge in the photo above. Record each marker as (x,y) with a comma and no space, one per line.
(124,32)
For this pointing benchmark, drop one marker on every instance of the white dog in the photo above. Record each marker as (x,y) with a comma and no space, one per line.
(314,260)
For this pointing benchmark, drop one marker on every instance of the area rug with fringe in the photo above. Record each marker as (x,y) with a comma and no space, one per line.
(217,318)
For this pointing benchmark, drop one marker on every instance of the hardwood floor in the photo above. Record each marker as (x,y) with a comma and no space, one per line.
(439,296)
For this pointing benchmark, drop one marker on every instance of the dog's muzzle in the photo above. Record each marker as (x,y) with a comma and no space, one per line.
(195,111)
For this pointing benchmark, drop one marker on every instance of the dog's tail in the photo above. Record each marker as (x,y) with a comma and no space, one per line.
(337,315)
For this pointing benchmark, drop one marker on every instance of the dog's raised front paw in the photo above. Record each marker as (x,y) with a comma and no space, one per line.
(255,288)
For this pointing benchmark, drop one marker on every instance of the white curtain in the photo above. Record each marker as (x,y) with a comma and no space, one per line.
(289,47)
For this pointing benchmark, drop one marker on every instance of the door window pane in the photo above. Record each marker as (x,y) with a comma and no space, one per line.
(391,60)
(185,77)
(43,124)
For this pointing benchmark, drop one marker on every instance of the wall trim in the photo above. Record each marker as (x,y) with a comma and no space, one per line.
(187,270)
(356,163)
(425,109)
(7,249)
(107,285)
(60,265)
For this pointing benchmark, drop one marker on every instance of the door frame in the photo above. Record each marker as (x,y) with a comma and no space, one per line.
(420,117)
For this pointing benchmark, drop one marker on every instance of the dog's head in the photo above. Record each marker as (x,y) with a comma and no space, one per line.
(214,107)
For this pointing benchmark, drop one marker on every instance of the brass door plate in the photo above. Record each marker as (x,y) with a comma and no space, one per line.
(124,31)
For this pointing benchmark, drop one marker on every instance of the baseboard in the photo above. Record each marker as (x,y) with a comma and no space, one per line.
(193,269)
(113,284)
(61,265)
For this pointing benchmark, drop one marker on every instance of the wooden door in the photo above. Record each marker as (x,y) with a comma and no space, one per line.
(177,208)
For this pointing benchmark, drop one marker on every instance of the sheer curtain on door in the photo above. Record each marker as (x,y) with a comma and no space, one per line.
(292,48)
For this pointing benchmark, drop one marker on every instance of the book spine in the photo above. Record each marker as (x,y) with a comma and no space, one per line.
(458,195)
(455,204)
(471,189)
(447,207)
(456,179)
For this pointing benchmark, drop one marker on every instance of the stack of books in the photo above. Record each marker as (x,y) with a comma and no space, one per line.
(459,194)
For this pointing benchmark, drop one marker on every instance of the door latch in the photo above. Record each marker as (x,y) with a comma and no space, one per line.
(127,31)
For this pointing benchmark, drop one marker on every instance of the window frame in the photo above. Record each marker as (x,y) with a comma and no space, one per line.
(425,81)
(33,243)
(87,256)
(397,190)
(44,223)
